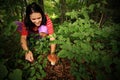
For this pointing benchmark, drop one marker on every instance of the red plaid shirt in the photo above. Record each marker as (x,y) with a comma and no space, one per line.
(49,26)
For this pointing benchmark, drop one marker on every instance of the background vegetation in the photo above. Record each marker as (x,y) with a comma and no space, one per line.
(87,34)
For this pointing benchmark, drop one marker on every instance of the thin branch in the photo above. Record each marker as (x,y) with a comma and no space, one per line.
(101,20)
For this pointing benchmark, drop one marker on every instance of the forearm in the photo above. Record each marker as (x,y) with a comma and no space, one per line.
(53,45)
(28,53)
(24,43)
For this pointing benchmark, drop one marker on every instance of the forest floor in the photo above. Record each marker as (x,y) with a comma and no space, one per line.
(60,71)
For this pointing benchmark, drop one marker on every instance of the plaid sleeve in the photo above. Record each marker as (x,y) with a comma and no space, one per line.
(24,30)
(49,25)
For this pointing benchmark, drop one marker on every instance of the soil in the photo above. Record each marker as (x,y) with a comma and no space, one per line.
(60,71)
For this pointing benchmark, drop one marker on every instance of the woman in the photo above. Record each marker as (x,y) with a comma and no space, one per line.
(34,21)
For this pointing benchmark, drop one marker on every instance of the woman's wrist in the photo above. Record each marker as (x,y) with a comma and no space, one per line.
(26,51)
(52,52)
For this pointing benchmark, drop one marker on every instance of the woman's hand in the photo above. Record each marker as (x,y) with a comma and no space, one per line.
(29,56)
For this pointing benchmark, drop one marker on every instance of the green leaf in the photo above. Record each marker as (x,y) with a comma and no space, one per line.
(91,7)
(63,53)
(32,78)
(39,58)
(16,75)
(38,75)
(44,62)
(43,73)
(71,56)
(3,71)
(40,67)
(86,47)
(32,72)
(107,60)
(27,65)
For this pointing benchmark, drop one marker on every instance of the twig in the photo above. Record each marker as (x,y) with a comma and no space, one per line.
(101,20)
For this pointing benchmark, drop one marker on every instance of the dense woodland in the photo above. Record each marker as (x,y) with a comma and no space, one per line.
(87,39)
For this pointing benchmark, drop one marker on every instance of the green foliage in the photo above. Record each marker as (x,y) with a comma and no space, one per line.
(14,56)
(3,71)
(16,75)
(35,70)
(10,29)
(51,7)
(90,49)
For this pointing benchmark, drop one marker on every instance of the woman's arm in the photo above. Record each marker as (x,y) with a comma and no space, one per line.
(53,45)
(51,32)
(28,53)
(24,42)
(52,57)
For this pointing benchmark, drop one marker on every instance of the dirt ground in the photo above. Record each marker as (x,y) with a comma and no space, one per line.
(60,71)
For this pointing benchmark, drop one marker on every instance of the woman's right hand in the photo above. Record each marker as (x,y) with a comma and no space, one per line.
(29,56)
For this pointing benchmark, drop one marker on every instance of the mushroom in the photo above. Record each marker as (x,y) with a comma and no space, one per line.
(52,58)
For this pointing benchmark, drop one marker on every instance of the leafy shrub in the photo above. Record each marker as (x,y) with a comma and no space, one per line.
(91,50)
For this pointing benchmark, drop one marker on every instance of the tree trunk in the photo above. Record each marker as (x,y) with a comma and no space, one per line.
(62,10)
(24,5)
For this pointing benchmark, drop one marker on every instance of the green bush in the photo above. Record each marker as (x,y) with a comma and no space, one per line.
(91,50)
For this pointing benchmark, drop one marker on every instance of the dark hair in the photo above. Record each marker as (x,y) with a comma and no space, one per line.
(31,8)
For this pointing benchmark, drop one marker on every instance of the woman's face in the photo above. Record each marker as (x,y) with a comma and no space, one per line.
(36,18)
